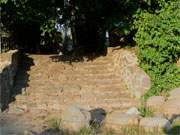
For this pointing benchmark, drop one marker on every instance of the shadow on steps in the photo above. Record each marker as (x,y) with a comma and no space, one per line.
(73,57)
(22,77)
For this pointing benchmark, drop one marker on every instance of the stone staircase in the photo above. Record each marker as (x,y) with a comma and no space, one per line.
(50,86)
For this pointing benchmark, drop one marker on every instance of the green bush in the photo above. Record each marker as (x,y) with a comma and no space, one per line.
(158,40)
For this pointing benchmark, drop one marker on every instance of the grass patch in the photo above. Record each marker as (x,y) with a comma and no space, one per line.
(145,112)
(175,130)
(55,123)
(86,131)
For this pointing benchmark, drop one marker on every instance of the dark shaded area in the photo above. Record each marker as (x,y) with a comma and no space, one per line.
(31,22)
(4,94)
(77,57)
(175,130)
(22,76)
(7,76)
(27,36)
(97,117)
(121,40)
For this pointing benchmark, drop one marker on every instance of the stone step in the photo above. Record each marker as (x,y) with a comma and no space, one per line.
(79,74)
(76,88)
(70,94)
(53,85)
(70,98)
(96,82)
(60,76)
(52,106)
(89,71)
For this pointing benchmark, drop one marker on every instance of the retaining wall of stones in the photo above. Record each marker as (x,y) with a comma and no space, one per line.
(135,78)
(8,69)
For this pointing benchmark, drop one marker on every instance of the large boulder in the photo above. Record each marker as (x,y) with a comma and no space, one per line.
(154,103)
(175,93)
(74,118)
(171,108)
(116,121)
(136,80)
(150,124)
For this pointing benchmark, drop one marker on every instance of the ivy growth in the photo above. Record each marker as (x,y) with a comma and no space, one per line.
(158,39)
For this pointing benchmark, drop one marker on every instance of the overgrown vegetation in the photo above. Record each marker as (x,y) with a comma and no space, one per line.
(158,40)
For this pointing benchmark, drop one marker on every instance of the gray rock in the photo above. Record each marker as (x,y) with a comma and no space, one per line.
(133,110)
(135,78)
(117,120)
(171,108)
(175,93)
(74,118)
(97,116)
(155,102)
(155,123)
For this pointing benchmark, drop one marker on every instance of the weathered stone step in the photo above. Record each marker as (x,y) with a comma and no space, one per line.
(90,84)
(76,88)
(105,73)
(57,106)
(81,75)
(96,82)
(84,71)
(59,95)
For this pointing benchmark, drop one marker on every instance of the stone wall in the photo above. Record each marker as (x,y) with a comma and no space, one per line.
(8,69)
(126,65)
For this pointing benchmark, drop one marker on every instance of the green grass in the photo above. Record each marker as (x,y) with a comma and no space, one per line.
(145,112)
(86,131)
(133,130)
(175,129)
(55,123)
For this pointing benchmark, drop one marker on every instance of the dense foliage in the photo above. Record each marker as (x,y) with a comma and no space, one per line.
(88,20)
(26,20)
(158,40)
(33,23)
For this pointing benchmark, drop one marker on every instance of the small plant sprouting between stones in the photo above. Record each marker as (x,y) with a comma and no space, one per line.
(145,112)
(86,131)
(55,123)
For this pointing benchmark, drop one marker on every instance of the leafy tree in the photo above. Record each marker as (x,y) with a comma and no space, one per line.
(28,18)
(89,20)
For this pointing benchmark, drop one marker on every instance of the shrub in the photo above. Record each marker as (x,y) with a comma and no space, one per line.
(158,39)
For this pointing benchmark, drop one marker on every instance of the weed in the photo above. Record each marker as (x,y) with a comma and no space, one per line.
(55,123)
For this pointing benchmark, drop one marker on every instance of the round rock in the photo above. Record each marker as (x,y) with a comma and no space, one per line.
(155,123)
(74,118)
(171,108)
(175,93)
(155,102)
(117,120)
